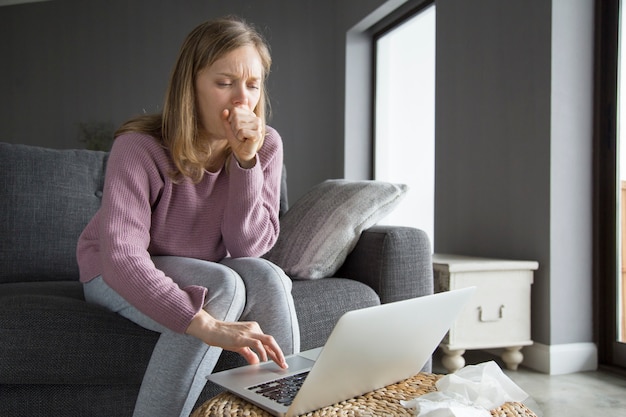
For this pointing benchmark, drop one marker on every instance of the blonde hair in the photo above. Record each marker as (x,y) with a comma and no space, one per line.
(177,125)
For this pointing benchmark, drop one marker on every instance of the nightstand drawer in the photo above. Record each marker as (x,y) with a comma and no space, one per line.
(498,314)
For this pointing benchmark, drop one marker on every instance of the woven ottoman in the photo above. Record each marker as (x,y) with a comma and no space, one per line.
(382,402)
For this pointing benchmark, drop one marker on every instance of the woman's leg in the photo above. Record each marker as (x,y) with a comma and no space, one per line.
(180,363)
(268,300)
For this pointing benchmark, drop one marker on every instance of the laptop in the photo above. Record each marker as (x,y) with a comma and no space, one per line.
(368,349)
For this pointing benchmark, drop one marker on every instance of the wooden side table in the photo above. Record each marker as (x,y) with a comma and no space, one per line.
(498,316)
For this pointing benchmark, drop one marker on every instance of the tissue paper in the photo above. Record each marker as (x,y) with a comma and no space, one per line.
(439,404)
(470,392)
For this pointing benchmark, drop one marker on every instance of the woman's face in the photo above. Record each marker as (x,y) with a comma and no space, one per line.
(235,80)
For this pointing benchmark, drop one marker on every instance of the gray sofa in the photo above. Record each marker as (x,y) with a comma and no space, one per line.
(60,356)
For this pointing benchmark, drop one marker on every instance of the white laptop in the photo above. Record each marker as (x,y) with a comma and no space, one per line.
(368,349)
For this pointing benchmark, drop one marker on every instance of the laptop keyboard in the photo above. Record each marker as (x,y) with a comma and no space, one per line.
(282,390)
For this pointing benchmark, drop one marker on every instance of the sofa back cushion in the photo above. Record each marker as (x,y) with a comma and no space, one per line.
(47,196)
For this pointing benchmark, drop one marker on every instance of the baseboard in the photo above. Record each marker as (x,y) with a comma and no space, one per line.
(560,359)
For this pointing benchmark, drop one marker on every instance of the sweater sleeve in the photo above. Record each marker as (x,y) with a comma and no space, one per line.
(251,223)
(132,185)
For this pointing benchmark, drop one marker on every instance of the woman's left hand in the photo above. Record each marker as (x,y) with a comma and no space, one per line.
(244,131)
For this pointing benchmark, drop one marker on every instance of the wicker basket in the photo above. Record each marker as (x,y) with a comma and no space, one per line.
(379,403)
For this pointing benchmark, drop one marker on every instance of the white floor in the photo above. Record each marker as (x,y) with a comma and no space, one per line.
(585,394)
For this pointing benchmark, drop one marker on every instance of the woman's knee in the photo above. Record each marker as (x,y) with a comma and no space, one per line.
(226,291)
(259,272)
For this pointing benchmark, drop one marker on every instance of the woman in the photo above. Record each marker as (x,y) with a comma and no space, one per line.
(191,200)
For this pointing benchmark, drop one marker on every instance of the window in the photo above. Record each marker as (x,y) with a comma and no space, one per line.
(404,131)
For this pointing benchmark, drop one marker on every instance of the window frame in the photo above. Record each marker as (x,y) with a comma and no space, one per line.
(611,354)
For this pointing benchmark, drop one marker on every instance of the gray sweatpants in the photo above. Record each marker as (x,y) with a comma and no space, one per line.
(246,289)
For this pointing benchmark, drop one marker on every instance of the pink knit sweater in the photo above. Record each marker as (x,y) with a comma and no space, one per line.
(233,212)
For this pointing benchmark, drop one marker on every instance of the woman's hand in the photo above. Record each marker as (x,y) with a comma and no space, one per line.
(244,131)
(245,338)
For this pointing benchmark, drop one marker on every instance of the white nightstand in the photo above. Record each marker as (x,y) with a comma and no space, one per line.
(498,316)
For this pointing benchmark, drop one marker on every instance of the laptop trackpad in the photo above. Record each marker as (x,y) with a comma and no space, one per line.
(296,363)
(311,354)
(263,370)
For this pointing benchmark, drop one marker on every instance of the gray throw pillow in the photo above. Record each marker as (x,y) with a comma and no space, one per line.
(319,231)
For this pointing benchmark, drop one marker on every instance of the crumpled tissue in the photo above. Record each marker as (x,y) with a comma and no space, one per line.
(469,392)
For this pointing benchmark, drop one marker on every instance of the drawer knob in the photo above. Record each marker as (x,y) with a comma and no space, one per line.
(484,320)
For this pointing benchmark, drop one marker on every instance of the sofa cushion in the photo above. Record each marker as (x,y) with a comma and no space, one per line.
(71,289)
(320,303)
(71,400)
(323,226)
(57,339)
(47,196)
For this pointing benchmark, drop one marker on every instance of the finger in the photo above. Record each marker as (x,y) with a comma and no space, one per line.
(259,349)
(227,125)
(249,355)
(278,358)
(266,348)
(246,127)
(274,351)
(246,122)
(253,135)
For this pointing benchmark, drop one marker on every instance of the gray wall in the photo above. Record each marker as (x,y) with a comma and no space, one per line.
(513,115)
(66,62)
(513,176)
(514,147)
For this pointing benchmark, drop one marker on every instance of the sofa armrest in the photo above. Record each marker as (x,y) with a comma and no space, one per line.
(396,261)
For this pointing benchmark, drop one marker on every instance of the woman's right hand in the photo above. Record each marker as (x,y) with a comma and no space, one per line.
(244,131)
(245,338)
